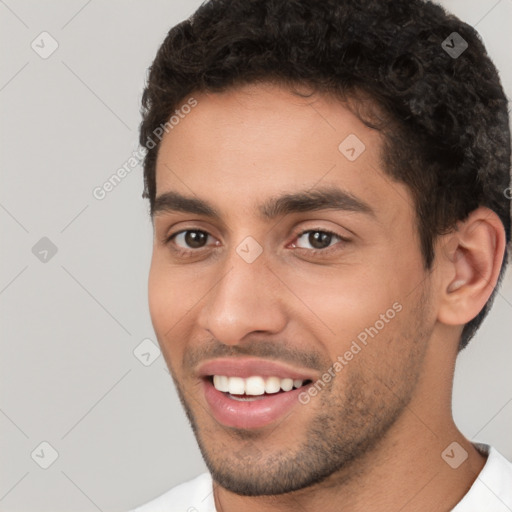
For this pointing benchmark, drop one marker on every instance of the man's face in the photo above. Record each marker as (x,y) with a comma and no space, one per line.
(361,299)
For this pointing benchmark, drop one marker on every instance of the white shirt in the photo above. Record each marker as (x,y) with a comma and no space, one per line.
(490,492)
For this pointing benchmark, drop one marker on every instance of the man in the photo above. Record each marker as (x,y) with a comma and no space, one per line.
(327,184)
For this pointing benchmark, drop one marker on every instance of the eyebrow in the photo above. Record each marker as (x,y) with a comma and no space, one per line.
(326,198)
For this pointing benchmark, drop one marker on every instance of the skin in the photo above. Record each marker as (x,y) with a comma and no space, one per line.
(372,439)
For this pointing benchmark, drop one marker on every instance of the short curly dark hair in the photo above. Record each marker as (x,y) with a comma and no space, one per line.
(444,118)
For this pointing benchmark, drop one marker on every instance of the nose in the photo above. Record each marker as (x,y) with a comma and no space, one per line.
(244,298)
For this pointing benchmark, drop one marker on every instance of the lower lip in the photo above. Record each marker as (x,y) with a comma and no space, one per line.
(249,414)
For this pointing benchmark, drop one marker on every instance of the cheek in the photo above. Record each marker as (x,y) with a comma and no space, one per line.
(156,286)
(347,300)
(163,298)
(174,296)
(165,308)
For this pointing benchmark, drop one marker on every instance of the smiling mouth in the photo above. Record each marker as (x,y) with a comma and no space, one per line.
(254,387)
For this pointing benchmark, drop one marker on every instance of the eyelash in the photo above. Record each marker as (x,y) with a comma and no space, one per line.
(188,252)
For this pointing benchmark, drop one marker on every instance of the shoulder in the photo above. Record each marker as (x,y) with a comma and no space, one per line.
(492,489)
(193,496)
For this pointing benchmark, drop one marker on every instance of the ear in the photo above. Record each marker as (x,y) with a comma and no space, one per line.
(469,266)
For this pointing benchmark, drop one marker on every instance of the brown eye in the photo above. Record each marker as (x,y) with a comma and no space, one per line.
(319,239)
(195,239)
(188,240)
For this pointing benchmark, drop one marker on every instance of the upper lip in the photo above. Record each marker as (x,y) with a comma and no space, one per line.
(248,367)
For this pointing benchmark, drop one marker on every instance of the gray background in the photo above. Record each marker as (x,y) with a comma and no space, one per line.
(70,324)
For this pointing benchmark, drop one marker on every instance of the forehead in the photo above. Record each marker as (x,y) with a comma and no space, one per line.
(259,141)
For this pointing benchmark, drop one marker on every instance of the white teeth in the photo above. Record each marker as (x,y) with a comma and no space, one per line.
(236,385)
(272,385)
(221,383)
(254,385)
(286,384)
